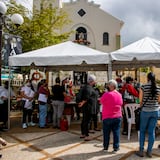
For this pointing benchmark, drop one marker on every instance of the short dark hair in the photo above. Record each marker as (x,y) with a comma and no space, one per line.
(128,79)
(43,81)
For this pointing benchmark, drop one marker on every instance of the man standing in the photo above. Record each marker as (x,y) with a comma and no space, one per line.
(89,104)
(58,92)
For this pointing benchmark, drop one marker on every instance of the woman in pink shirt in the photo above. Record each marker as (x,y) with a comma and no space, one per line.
(111,115)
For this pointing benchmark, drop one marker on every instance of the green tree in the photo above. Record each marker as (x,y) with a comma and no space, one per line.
(43,28)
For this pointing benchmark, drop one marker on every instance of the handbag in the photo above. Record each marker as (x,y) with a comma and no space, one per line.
(138,114)
(137,117)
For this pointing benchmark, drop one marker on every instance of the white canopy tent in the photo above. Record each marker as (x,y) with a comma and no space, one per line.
(142,53)
(63,56)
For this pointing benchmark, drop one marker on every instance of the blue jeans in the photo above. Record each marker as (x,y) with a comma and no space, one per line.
(42,115)
(114,125)
(148,121)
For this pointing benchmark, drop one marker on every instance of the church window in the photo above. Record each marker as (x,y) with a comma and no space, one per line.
(105,38)
(81,36)
(81,12)
(81,33)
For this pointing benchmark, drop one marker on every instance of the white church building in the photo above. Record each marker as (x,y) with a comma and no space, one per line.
(99,29)
(92,26)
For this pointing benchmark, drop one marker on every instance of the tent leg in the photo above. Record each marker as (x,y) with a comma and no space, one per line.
(9,97)
(109,71)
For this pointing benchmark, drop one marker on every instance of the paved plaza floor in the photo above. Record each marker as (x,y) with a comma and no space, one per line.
(35,143)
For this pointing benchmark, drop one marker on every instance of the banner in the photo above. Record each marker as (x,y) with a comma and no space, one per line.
(12,46)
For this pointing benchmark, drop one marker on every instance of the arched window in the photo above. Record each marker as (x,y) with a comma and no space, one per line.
(81,36)
(105,38)
(81,33)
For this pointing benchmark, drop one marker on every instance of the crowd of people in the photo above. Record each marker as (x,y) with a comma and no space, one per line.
(115,95)
(113,102)
(118,93)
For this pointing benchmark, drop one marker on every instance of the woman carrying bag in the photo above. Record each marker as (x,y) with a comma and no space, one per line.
(149,114)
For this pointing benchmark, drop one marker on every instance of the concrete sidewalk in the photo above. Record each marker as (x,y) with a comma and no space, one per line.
(34,143)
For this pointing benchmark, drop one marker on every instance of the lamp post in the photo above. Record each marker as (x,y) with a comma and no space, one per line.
(16,19)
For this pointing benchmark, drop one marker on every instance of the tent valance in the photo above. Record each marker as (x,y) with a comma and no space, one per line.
(144,52)
(64,55)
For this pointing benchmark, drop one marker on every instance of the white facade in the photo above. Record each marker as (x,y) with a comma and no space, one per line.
(92,20)
(99,28)
(96,22)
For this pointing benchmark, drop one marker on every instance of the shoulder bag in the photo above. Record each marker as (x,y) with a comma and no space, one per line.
(138,113)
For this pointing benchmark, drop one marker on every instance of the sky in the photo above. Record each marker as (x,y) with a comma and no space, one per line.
(141,17)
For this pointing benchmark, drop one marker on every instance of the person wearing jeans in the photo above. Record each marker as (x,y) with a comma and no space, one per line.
(111,115)
(43,99)
(111,124)
(42,115)
(149,97)
(149,120)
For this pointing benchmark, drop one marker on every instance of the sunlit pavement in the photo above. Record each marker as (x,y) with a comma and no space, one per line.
(35,143)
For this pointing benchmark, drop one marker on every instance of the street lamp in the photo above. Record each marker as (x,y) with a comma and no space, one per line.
(16,19)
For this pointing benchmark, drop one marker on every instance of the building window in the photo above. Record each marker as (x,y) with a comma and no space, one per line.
(81,12)
(105,38)
(81,36)
(81,33)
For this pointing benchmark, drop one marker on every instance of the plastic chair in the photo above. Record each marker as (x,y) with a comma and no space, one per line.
(130,117)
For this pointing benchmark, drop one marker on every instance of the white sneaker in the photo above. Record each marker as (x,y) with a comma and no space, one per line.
(31,124)
(24,125)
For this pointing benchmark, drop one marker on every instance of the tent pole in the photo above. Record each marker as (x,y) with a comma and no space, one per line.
(9,97)
(110,68)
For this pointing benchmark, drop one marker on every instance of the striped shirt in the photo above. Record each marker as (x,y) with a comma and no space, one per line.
(150,103)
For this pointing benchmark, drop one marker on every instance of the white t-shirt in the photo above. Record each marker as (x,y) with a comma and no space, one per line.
(27,91)
(30,93)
